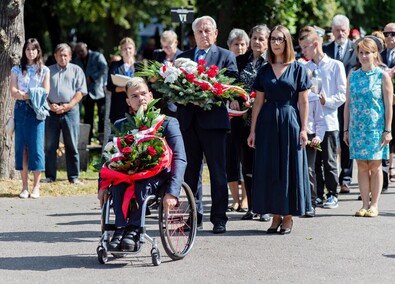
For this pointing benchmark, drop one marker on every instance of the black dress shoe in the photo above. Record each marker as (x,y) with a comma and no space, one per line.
(219,229)
(130,241)
(248,216)
(242,210)
(310,214)
(115,243)
(285,231)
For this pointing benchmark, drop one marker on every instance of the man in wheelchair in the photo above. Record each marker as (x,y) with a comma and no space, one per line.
(126,236)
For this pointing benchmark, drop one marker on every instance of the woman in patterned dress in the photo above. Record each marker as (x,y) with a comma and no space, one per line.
(367,122)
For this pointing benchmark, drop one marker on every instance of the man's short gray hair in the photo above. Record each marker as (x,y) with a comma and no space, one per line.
(238,34)
(262,28)
(62,46)
(340,20)
(197,20)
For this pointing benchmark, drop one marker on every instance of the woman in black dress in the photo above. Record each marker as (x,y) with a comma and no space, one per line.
(278,133)
(126,67)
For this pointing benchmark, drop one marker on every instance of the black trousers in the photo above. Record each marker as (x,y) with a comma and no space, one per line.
(89,105)
(211,143)
(326,165)
(311,155)
(346,164)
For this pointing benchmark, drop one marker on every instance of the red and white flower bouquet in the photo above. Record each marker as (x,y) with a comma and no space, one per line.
(189,82)
(140,153)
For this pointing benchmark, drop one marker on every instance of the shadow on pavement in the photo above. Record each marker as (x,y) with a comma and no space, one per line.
(48,263)
(49,237)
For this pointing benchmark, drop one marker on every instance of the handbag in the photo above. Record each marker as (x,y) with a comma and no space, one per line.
(10,125)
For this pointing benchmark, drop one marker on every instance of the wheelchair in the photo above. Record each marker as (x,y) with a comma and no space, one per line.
(177,229)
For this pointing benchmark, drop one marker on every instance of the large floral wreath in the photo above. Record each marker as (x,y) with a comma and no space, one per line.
(189,82)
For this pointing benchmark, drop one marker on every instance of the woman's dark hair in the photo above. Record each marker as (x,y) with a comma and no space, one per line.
(289,54)
(38,60)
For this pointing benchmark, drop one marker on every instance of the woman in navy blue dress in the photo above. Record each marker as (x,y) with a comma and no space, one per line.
(278,133)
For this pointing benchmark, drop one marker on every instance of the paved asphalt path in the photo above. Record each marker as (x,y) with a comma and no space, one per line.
(54,239)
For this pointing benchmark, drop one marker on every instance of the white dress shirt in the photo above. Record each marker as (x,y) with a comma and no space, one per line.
(316,121)
(334,81)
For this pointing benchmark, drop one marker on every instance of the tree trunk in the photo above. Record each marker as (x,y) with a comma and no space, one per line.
(12,37)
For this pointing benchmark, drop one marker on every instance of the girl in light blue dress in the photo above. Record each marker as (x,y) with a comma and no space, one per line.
(367,121)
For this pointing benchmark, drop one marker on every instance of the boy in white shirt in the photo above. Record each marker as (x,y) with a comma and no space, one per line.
(332,96)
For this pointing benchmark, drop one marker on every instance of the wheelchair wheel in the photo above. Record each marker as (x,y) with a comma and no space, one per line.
(102,255)
(178,229)
(155,255)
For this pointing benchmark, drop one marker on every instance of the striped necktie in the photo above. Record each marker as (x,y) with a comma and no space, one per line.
(339,53)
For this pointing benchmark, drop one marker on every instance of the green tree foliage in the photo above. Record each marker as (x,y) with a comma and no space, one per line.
(100,23)
(245,14)
(369,14)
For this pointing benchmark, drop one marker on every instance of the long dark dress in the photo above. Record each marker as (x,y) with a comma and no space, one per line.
(280,177)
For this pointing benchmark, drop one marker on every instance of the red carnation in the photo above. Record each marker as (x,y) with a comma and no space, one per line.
(253,95)
(129,139)
(200,69)
(164,68)
(202,62)
(151,151)
(143,127)
(213,71)
(190,77)
(126,151)
(205,86)
(218,89)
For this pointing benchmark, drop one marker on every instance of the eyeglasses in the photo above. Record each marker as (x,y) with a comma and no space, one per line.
(277,39)
(387,34)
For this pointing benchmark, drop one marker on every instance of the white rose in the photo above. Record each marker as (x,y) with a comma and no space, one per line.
(109,146)
(171,78)
(179,61)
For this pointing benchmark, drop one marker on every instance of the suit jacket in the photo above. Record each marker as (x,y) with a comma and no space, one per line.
(171,132)
(349,58)
(160,56)
(384,58)
(217,117)
(96,69)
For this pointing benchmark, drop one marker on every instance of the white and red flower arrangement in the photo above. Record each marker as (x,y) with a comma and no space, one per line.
(189,82)
(137,152)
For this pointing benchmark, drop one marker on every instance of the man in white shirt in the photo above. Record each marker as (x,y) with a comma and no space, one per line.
(332,95)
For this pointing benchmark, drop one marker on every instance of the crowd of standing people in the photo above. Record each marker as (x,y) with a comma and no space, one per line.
(282,155)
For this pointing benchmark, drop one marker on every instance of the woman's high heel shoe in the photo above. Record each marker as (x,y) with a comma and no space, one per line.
(285,231)
(273,230)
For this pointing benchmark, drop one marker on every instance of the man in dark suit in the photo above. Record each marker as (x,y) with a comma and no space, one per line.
(204,132)
(388,57)
(342,49)
(126,235)
(95,68)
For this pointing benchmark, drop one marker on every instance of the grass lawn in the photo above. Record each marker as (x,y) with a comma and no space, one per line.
(62,187)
